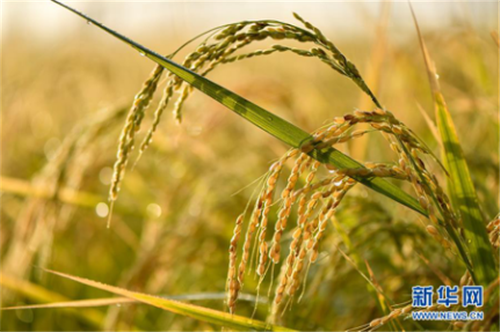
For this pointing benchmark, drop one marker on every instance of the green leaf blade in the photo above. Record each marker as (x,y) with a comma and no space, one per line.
(464,197)
(461,187)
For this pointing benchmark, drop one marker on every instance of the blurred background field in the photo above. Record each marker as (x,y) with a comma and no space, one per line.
(66,88)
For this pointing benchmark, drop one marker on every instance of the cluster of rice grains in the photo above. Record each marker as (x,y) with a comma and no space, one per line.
(220,47)
(316,200)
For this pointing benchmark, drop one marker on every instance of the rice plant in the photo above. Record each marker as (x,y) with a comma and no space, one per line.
(299,222)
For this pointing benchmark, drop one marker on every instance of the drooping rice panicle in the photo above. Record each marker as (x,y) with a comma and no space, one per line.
(284,212)
(267,202)
(167,95)
(306,237)
(347,67)
(233,285)
(132,125)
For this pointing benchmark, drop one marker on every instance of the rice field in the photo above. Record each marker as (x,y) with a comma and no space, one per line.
(271,173)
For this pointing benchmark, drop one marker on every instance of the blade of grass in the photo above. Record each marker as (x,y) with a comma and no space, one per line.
(263,119)
(74,304)
(66,195)
(40,294)
(124,300)
(432,126)
(461,187)
(185,309)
